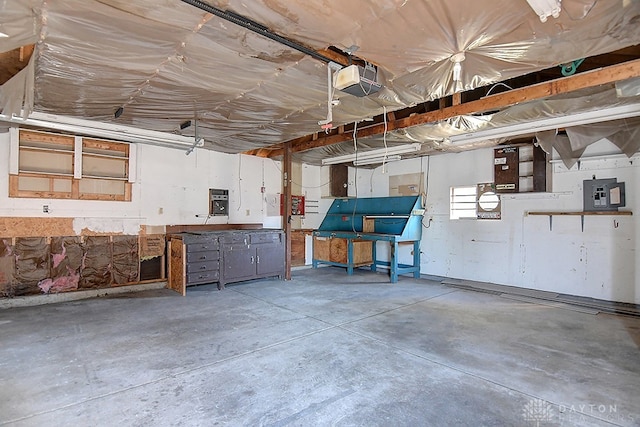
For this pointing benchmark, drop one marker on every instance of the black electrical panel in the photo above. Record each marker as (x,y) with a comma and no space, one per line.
(218,202)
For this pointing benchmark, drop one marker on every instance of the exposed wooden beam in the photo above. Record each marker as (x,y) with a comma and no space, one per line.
(11,62)
(286,217)
(264,151)
(498,101)
(335,56)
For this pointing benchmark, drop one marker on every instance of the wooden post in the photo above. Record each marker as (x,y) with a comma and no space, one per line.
(456,98)
(286,217)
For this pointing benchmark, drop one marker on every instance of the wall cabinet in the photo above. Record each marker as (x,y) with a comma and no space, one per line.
(224,257)
(54,166)
(520,168)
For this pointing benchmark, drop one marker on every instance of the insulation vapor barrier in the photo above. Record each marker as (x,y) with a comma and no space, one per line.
(96,271)
(69,263)
(7,268)
(32,264)
(250,92)
(67,256)
(125,259)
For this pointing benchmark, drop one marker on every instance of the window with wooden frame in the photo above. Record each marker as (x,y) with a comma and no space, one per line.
(57,166)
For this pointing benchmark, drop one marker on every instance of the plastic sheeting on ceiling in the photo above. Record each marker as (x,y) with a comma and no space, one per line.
(167,62)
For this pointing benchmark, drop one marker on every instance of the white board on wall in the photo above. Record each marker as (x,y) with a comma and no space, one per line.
(409,184)
(273,204)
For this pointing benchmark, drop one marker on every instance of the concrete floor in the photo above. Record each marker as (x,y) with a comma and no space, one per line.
(322,349)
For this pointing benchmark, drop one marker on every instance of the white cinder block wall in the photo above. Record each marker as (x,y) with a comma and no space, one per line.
(602,262)
(177,185)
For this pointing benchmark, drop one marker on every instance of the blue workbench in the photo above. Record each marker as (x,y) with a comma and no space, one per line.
(396,220)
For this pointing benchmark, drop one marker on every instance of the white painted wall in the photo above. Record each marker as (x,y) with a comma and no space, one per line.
(171,188)
(315,180)
(601,262)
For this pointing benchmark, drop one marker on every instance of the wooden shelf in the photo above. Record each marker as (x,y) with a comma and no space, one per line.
(108,177)
(49,173)
(123,156)
(581,214)
(47,149)
(386,216)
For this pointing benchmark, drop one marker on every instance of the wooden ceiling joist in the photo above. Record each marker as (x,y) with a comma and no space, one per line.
(13,61)
(588,79)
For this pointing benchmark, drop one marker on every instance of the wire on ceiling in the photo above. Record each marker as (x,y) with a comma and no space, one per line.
(497,85)
(355,177)
(384,138)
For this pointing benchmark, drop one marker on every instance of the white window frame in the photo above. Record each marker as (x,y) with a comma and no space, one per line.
(463,202)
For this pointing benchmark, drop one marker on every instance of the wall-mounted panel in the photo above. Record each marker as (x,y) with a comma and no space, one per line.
(506,169)
(339,179)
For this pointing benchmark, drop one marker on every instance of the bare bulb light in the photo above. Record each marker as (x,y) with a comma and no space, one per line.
(546,8)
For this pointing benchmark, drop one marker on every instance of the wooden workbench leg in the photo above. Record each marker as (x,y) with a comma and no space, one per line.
(350,257)
(373,256)
(416,259)
(394,262)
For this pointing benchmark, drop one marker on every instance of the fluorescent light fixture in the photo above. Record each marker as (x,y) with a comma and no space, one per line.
(577,119)
(3,35)
(375,160)
(372,154)
(103,130)
(546,8)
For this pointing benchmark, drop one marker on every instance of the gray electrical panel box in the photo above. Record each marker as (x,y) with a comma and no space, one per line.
(218,202)
(603,195)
